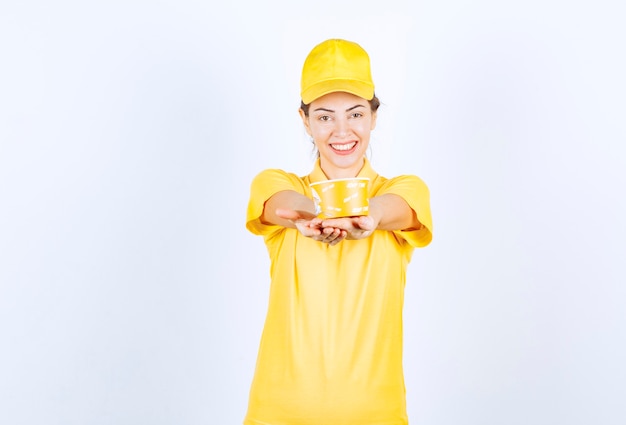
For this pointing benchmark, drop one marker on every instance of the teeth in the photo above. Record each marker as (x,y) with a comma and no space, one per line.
(344,147)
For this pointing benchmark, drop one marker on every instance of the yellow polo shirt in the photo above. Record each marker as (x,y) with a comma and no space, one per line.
(331,348)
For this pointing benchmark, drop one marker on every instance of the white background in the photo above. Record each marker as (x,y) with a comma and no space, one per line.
(130,291)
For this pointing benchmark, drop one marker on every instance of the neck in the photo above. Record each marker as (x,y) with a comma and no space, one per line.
(333,172)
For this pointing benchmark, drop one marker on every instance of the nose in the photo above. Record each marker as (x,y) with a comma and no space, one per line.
(341,127)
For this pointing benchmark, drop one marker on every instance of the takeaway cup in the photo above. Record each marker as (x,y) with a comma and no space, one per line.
(341,197)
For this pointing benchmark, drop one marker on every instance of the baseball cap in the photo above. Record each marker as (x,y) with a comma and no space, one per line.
(336,65)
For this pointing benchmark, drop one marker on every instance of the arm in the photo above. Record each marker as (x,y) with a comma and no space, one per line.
(293,210)
(287,200)
(391,212)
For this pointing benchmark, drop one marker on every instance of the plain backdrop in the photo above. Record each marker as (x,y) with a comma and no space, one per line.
(130,291)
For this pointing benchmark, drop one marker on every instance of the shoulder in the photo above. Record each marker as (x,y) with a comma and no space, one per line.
(277,179)
(405,183)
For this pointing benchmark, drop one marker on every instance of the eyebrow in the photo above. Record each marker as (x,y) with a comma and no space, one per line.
(347,110)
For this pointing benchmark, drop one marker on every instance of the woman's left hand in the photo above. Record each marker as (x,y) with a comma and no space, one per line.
(359,227)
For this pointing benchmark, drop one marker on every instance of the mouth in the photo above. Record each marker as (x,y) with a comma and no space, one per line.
(344,148)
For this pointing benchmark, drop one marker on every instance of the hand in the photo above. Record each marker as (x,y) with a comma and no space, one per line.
(310,226)
(359,227)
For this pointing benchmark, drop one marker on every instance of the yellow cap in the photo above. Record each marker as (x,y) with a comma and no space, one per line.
(336,65)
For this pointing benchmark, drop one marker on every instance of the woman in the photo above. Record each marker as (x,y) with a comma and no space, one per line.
(331,350)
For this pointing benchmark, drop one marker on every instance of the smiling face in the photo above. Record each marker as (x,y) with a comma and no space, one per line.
(340,124)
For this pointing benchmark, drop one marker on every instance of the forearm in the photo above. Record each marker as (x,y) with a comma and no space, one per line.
(287,200)
(392,212)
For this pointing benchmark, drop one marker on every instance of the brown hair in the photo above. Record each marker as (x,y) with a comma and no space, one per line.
(374,105)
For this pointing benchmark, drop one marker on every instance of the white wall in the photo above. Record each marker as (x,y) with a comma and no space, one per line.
(130,292)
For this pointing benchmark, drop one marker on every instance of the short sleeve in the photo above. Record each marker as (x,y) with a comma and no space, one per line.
(415,192)
(264,185)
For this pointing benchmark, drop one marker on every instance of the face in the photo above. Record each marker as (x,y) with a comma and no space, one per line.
(340,124)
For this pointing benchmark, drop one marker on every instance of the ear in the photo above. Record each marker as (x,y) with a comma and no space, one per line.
(305,121)
(374,116)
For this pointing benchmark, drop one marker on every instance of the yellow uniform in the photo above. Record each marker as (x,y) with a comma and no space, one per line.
(331,349)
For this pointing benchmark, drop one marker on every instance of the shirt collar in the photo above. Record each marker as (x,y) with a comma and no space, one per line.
(318,175)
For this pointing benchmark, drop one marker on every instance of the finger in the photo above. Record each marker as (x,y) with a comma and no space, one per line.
(365,222)
(336,222)
(316,222)
(329,230)
(308,231)
(328,235)
(313,231)
(342,235)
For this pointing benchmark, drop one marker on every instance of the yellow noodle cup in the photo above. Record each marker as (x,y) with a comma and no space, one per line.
(341,197)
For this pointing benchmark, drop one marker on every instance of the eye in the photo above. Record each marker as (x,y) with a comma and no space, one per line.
(324,118)
(356,115)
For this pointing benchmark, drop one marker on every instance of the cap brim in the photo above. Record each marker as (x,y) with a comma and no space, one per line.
(355,87)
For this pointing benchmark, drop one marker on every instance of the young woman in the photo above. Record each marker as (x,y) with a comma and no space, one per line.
(331,349)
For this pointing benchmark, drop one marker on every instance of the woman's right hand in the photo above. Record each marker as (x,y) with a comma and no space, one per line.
(311,226)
